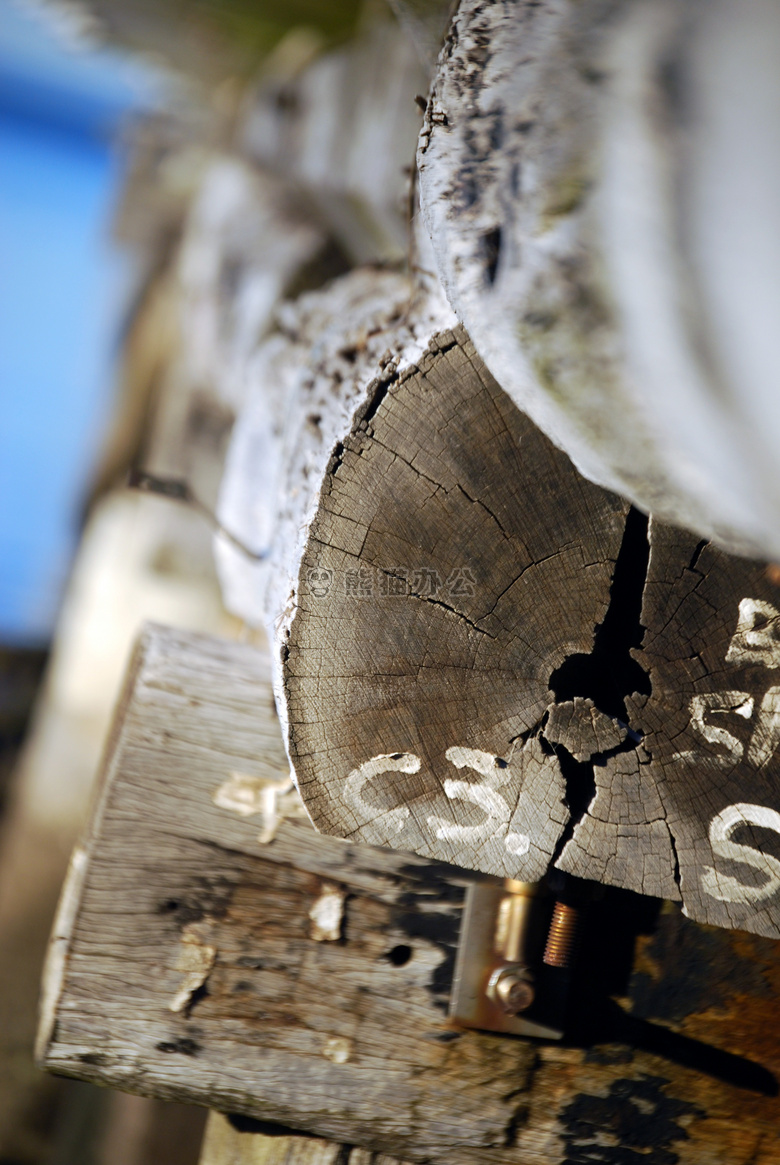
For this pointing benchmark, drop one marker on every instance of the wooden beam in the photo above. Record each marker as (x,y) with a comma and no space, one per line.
(233,1142)
(191,962)
(304,980)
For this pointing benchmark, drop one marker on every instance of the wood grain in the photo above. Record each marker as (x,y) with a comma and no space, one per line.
(467,562)
(348,1039)
(232,1141)
(495,663)
(711,651)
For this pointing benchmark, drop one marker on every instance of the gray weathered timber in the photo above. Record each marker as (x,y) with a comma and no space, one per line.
(595,178)
(232,1143)
(182,960)
(184,966)
(456,562)
(712,724)
(493,662)
(705,773)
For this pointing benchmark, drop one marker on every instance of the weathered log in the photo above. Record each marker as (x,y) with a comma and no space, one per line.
(343,130)
(466,561)
(711,650)
(596,180)
(473,661)
(190,961)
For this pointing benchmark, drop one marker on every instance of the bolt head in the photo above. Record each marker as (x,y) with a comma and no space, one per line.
(511,988)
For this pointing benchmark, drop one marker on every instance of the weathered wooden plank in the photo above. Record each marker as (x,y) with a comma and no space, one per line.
(233,1141)
(189,968)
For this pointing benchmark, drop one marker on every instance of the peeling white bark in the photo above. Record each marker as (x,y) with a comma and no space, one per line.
(600,182)
(307,381)
(343,130)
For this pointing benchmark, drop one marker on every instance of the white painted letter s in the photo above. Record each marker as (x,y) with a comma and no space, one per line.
(723,886)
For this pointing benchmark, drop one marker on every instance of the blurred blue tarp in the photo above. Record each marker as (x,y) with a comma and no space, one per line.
(63,286)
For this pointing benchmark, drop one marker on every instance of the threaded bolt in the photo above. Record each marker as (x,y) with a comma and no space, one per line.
(561,936)
(511,988)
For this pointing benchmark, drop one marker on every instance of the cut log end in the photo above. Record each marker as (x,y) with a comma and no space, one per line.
(484,665)
(456,563)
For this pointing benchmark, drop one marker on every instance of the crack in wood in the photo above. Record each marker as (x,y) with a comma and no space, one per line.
(609,673)
(583,611)
(603,679)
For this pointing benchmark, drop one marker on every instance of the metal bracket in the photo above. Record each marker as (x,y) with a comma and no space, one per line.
(501,983)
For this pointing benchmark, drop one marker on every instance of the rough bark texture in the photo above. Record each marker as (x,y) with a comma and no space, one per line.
(187,964)
(305,384)
(596,181)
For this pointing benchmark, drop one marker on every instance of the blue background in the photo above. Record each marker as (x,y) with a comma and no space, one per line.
(63,287)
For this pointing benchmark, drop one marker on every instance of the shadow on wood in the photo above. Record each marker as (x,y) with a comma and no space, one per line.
(305,981)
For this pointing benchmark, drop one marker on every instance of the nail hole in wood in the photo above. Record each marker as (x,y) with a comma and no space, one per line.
(399,956)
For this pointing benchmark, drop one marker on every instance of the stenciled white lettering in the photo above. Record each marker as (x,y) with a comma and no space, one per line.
(386,762)
(708,704)
(724,887)
(496,773)
(755,639)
